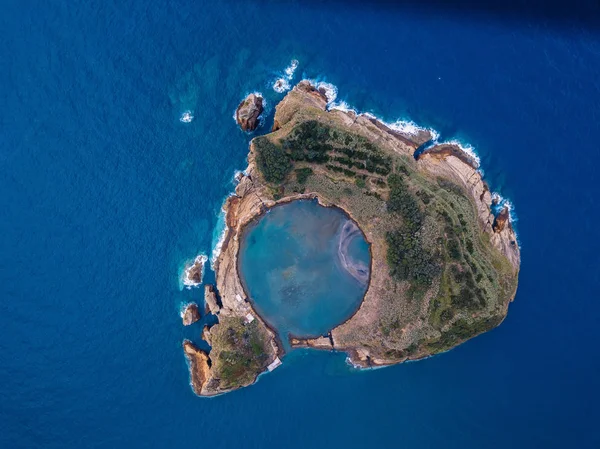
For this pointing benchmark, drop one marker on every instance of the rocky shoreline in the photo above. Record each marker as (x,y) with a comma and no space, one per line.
(253,197)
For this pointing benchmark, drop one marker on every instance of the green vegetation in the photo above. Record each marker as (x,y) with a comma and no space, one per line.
(316,143)
(406,256)
(462,330)
(302,174)
(435,250)
(272,161)
(242,351)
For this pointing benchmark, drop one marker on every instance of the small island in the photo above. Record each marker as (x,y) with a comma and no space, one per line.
(444,259)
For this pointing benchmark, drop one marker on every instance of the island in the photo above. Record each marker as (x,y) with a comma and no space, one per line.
(444,259)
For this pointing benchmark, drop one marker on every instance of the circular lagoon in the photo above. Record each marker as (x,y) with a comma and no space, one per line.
(305,267)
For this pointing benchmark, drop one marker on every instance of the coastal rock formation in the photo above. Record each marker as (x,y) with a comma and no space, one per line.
(206,334)
(443,268)
(248,112)
(325,342)
(194,272)
(191,314)
(501,220)
(199,363)
(211,300)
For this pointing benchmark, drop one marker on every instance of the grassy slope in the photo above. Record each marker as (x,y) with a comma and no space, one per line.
(240,352)
(461,285)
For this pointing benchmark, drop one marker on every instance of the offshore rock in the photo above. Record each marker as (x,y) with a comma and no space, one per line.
(195,272)
(191,314)
(248,112)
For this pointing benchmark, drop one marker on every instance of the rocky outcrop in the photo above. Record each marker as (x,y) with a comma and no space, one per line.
(249,111)
(442,151)
(449,161)
(194,272)
(211,300)
(325,342)
(206,334)
(191,314)
(501,220)
(199,364)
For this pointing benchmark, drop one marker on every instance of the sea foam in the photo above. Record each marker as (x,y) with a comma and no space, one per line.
(342,106)
(282,84)
(185,278)
(219,235)
(186,117)
(467,148)
(411,128)
(291,69)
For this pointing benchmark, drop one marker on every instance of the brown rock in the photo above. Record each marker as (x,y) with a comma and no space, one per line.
(442,151)
(195,272)
(191,314)
(199,366)
(206,334)
(211,300)
(324,342)
(248,112)
(501,220)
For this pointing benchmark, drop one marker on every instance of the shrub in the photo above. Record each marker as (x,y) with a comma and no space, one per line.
(302,174)
(407,259)
(271,160)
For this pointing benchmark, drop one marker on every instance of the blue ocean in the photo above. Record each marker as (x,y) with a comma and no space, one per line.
(106,194)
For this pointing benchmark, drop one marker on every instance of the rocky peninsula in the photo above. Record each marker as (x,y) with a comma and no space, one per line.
(444,268)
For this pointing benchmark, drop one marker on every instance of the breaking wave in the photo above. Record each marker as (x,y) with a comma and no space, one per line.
(291,69)
(282,84)
(499,203)
(183,306)
(466,148)
(411,128)
(219,234)
(186,117)
(342,106)
(187,277)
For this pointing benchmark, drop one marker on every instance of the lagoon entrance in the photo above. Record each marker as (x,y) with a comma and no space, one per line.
(305,267)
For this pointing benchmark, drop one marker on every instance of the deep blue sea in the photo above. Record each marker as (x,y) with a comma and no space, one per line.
(105,194)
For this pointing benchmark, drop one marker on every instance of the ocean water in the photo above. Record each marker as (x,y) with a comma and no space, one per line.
(106,194)
(291,264)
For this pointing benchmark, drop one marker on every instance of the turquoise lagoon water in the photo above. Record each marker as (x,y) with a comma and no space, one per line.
(305,267)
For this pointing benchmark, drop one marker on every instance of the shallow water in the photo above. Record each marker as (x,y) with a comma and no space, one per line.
(305,267)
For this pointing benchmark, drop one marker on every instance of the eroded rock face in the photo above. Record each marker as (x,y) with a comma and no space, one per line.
(191,314)
(211,300)
(194,273)
(206,334)
(248,112)
(501,220)
(199,366)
